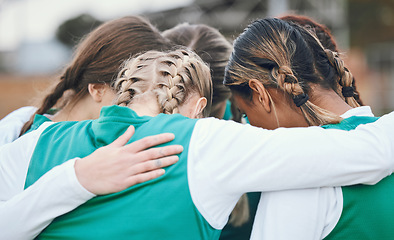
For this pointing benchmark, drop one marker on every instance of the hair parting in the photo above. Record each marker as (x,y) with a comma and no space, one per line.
(170,76)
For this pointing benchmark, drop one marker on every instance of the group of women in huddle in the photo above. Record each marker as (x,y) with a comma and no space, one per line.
(135,148)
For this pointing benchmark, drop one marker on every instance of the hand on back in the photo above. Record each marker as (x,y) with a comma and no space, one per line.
(118,166)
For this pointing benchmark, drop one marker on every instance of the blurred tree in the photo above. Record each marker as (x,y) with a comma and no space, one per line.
(2,67)
(72,30)
(371,21)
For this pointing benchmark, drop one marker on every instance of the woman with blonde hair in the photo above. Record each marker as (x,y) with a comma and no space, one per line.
(195,196)
(87,82)
(214,49)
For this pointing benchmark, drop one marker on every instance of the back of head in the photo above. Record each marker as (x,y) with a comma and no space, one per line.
(98,57)
(171,76)
(322,32)
(212,47)
(288,57)
(324,35)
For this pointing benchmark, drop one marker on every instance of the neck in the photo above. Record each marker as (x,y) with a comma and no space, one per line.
(329,100)
(77,110)
(145,104)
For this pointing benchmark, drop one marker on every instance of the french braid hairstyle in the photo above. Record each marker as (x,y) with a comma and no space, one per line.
(325,37)
(285,56)
(99,55)
(171,76)
(212,47)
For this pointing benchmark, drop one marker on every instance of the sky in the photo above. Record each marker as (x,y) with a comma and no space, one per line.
(37,20)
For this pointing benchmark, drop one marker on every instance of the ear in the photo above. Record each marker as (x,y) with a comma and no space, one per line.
(260,94)
(97,91)
(199,107)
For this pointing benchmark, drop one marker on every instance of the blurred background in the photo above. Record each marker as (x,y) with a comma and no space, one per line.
(37,36)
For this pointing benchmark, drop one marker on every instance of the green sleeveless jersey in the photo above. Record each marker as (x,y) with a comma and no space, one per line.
(158,209)
(37,122)
(368,211)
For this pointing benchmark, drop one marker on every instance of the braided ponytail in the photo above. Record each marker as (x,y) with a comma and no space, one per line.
(313,114)
(99,54)
(278,54)
(345,78)
(171,89)
(66,83)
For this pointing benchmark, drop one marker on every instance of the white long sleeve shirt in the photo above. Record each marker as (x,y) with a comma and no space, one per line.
(305,214)
(11,125)
(225,160)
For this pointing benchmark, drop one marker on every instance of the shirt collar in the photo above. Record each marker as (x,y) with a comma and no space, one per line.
(358,111)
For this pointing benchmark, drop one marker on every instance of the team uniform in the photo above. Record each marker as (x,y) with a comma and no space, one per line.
(231,232)
(193,199)
(355,212)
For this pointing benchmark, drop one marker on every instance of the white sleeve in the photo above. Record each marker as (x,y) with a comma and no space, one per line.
(25,213)
(227,159)
(11,125)
(306,214)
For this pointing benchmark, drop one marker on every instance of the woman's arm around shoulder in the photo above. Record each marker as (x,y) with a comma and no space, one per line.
(25,213)
(227,159)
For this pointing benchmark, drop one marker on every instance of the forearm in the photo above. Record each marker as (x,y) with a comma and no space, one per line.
(263,160)
(26,214)
(229,159)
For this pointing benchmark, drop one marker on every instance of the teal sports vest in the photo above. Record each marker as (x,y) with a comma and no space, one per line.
(158,209)
(37,122)
(368,211)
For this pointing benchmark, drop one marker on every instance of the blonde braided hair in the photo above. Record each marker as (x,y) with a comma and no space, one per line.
(171,76)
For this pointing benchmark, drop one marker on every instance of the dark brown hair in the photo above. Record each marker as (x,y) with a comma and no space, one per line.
(212,47)
(98,57)
(324,35)
(288,57)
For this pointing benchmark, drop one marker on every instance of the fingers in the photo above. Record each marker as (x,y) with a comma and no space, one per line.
(163,162)
(149,170)
(158,163)
(156,153)
(143,177)
(153,165)
(124,138)
(151,141)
